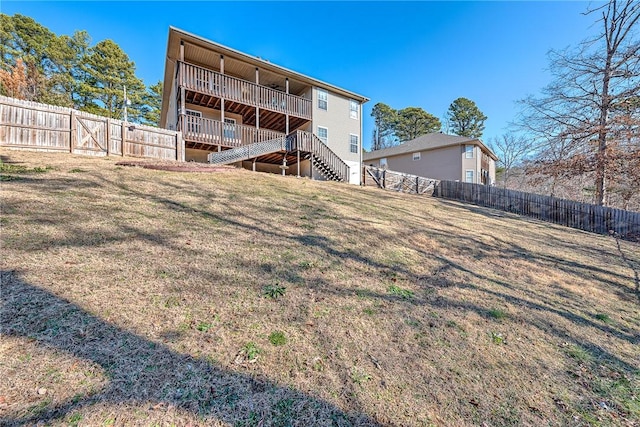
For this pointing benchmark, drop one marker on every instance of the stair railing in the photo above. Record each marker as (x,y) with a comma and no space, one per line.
(307,141)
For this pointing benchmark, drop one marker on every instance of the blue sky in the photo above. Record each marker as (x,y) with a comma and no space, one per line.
(423,54)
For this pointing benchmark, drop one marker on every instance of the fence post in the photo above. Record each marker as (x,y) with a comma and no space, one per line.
(384,178)
(123,137)
(108,133)
(179,147)
(73,134)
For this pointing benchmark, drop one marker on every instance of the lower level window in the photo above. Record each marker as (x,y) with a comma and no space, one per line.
(353,143)
(323,134)
(193,122)
(469,175)
(229,128)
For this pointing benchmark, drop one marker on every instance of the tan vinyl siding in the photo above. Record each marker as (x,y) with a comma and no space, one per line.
(470,164)
(443,163)
(172,112)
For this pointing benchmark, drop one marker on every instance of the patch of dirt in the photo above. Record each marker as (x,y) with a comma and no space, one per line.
(177,166)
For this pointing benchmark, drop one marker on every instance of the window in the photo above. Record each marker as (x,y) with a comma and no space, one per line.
(323,134)
(353,143)
(468,151)
(193,124)
(353,109)
(469,175)
(383,162)
(229,128)
(322,99)
(416,156)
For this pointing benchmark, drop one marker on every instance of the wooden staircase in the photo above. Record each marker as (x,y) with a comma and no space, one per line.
(322,158)
(248,151)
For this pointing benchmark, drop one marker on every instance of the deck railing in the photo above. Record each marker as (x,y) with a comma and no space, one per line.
(213,83)
(307,141)
(214,132)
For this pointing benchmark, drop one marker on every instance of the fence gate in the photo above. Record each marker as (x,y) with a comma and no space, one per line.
(91,136)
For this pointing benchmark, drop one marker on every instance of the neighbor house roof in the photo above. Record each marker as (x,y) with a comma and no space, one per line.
(429,141)
(173,48)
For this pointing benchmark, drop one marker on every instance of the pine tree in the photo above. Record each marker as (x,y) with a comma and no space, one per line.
(109,71)
(152,105)
(465,118)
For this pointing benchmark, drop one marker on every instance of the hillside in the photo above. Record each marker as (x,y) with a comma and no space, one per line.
(141,297)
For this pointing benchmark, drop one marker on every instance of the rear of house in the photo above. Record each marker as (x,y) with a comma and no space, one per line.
(235,108)
(439,156)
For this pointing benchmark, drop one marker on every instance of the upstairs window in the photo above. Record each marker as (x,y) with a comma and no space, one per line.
(323,98)
(468,151)
(323,134)
(416,156)
(353,109)
(353,143)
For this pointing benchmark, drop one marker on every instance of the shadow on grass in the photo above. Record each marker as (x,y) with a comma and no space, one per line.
(142,372)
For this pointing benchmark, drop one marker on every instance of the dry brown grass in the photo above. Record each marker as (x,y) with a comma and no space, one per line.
(138,297)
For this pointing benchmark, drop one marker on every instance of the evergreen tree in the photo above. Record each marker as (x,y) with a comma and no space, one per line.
(412,122)
(384,118)
(465,118)
(108,71)
(152,105)
(67,55)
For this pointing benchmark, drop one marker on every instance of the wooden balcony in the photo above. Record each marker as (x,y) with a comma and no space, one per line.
(484,162)
(214,84)
(207,133)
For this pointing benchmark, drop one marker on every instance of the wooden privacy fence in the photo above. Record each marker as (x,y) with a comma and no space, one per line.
(584,216)
(31,125)
(398,181)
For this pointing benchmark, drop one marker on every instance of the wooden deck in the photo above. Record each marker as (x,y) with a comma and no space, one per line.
(207,87)
(213,135)
(208,134)
(268,119)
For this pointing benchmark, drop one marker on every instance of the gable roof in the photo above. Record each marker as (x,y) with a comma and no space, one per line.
(176,35)
(429,141)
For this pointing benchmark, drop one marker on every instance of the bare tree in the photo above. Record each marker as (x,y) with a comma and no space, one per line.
(511,150)
(578,109)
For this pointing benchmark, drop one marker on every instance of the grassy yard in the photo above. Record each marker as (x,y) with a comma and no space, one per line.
(143,297)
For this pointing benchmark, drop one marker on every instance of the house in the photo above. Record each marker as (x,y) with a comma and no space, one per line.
(439,156)
(235,108)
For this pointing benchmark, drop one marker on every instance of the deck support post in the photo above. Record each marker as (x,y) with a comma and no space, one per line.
(287,109)
(298,163)
(257,97)
(254,164)
(284,164)
(222,91)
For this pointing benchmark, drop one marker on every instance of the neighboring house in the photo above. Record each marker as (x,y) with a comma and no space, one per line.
(439,156)
(232,107)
